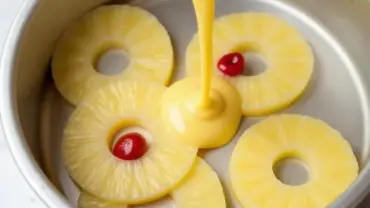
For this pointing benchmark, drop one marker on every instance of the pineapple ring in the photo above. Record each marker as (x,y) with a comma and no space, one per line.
(289,59)
(132,29)
(93,125)
(209,194)
(329,156)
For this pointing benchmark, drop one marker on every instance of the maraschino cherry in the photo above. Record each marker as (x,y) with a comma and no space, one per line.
(231,64)
(130,146)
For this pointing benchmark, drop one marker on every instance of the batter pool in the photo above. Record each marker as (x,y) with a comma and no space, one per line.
(89,139)
(74,64)
(288,56)
(329,157)
(209,127)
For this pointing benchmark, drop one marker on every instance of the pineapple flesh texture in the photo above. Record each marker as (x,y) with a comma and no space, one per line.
(332,163)
(124,27)
(89,134)
(288,57)
(87,201)
(201,188)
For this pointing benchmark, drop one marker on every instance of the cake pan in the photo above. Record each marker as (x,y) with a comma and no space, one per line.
(33,113)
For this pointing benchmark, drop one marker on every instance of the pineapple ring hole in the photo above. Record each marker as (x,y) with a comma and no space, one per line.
(255,63)
(130,129)
(255,60)
(291,171)
(112,62)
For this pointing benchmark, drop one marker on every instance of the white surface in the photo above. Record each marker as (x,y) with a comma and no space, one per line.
(14,190)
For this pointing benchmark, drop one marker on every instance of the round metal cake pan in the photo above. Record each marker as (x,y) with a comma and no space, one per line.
(33,113)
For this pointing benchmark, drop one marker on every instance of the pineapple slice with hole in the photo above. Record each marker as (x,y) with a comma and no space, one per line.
(329,157)
(201,188)
(88,137)
(115,27)
(289,59)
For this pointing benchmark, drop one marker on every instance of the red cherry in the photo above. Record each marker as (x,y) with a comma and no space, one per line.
(131,146)
(231,64)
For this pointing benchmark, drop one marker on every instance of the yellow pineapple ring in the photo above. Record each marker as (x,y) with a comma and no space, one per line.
(131,29)
(201,188)
(332,163)
(289,59)
(88,137)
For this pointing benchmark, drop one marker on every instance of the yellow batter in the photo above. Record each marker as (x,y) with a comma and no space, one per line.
(204,112)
